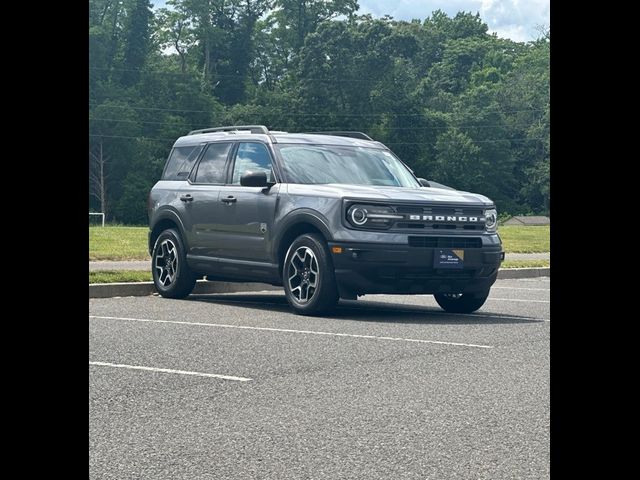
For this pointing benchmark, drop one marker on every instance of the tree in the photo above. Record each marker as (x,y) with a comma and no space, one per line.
(98,176)
(457,104)
(298,18)
(113,129)
(175,30)
(458,161)
(233,67)
(135,49)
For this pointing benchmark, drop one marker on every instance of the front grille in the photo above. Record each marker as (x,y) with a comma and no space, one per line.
(439,209)
(445,242)
(409,209)
(436,217)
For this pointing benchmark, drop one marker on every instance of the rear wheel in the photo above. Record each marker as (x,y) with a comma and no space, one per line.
(171,275)
(307,273)
(460,302)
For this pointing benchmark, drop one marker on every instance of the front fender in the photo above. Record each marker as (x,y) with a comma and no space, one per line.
(297,217)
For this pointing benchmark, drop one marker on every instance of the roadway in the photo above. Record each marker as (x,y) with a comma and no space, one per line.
(390,387)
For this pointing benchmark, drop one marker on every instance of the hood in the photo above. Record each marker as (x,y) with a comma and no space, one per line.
(392,194)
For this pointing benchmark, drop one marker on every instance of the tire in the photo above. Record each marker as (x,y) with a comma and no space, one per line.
(172,276)
(460,303)
(308,277)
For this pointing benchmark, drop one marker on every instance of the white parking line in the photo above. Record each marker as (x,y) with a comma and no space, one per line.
(304,332)
(167,370)
(366,305)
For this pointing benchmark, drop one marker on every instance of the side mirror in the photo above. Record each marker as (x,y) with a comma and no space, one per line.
(424,182)
(254,179)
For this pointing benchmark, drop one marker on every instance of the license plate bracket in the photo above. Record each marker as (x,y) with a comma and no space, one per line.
(448,258)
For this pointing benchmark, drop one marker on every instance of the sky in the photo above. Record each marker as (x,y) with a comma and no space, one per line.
(514,19)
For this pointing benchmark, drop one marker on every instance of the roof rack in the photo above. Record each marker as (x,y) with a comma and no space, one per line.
(236,128)
(360,135)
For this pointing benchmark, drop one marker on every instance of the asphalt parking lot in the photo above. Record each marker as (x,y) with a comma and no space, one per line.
(391,387)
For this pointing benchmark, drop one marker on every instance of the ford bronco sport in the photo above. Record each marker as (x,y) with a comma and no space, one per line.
(325,215)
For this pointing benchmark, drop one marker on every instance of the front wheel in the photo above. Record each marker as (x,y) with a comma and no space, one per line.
(307,274)
(460,302)
(172,276)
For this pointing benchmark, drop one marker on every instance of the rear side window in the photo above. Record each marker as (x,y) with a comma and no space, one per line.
(211,167)
(181,162)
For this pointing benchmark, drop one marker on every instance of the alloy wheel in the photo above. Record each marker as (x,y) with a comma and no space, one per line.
(303,274)
(166,262)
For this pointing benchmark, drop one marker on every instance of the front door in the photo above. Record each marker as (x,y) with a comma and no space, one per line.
(247,213)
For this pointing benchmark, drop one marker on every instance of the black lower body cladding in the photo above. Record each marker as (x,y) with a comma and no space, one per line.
(403,269)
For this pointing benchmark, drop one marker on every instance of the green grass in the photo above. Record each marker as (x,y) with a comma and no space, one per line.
(130,243)
(118,243)
(116,276)
(517,239)
(525,263)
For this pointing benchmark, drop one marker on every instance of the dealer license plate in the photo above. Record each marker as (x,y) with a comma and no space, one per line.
(448,258)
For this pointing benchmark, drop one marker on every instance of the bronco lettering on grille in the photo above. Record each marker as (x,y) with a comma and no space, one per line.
(442,218)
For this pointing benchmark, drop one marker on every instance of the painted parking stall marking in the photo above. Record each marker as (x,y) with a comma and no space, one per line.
(286,330)
(168,370)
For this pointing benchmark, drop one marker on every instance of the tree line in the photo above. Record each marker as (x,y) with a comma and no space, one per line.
(457,104)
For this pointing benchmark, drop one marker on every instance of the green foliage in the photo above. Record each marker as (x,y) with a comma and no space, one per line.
(458,105)
(137,42)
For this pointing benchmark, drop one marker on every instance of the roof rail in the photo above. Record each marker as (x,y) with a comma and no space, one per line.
(235,128)
(360,135)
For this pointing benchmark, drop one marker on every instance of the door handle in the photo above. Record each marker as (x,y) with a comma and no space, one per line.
(229,199)
(186,198)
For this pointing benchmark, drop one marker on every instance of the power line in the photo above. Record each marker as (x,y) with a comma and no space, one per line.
(133,138)
(222,75)
(389,143)
(323,129)
(288,113)
(472,141)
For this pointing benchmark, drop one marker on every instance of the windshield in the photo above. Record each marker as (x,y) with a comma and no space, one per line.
(346,165)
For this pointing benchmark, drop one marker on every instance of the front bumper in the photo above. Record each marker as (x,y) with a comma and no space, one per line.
(395,268)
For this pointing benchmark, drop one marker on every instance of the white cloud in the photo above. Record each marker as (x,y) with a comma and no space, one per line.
(514,19)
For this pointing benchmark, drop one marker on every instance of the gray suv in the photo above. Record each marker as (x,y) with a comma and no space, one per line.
(325,215)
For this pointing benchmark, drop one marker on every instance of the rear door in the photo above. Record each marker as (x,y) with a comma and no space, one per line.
(247,213)
(200,198)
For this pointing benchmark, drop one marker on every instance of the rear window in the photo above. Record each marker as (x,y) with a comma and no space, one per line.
(211,167)
(180,162)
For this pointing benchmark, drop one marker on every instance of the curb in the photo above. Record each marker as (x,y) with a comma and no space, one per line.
(524,272)
(142,289)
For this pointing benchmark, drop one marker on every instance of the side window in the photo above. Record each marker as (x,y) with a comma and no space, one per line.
(181,162)
(254,157)
(211,167)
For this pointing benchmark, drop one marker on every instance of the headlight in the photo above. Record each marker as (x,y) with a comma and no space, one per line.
(371,216)
(491,219)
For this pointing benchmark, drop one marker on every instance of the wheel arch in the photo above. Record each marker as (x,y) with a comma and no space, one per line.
(295,225)
(165,220)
